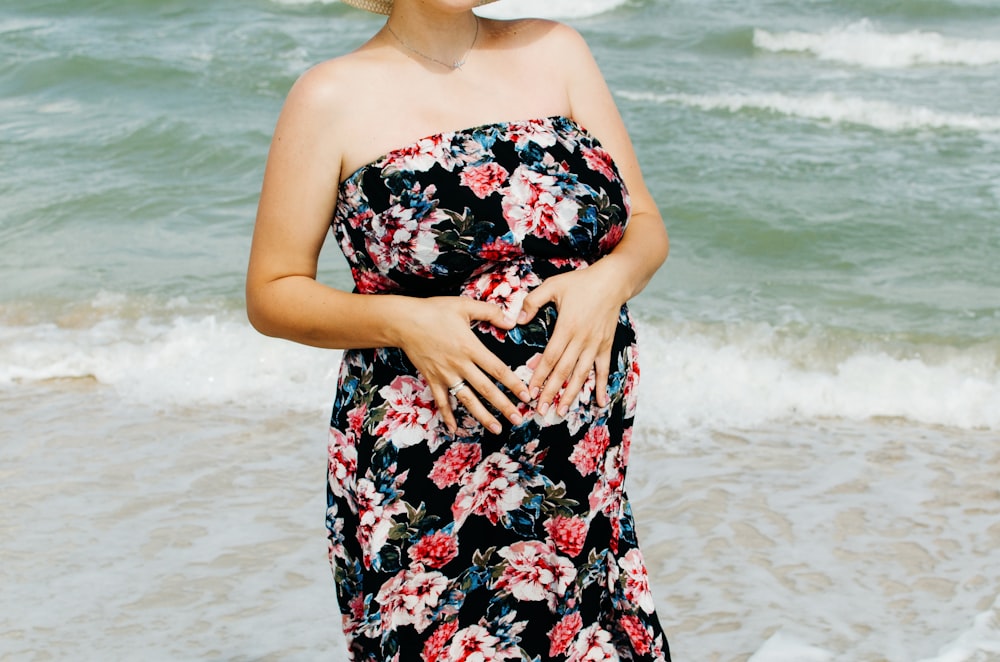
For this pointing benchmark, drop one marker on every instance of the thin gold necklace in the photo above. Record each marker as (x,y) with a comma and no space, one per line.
(457,64)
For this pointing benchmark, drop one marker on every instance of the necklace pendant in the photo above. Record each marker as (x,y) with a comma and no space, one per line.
(458,64)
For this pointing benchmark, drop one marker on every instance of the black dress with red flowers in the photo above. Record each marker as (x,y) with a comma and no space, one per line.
(512,546)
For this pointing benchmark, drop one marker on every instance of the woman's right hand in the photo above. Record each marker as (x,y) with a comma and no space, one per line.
(438,339)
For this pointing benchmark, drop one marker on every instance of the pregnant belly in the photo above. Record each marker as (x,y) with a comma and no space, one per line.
(521,349)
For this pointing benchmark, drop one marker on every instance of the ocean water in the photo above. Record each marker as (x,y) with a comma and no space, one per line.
(817,466)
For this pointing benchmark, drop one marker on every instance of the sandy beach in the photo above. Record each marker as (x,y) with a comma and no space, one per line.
(212,547)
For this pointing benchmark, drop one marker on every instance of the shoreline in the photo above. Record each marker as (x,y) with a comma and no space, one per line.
(199,533)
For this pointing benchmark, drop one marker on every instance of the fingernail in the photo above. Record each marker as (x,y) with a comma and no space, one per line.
(525,396)
(495,428)
(563,410)
(516,419)
(543,408)
(522,318)
(534,392)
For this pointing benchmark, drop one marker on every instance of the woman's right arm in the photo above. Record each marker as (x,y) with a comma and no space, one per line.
(285,300)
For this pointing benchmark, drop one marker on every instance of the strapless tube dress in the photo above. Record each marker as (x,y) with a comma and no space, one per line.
(479,546)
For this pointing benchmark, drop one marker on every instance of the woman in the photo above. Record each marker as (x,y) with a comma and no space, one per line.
(482,420)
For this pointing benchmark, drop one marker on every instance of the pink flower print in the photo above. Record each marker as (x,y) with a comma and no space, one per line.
(418,157)
(562,635)
(372,282)
(506,286)
(636,580)
(474,644)
(568,263)
(410,415)
(534,204)
(491,491)
(436,644)
(589,452)
(401,240)
(538,131)
(410,597)
(352,620)
(606,495)
(374,519)
(626,447)
(631,386)
(499,250)
(599,160)
(335,541)
(484,180)
(567,533)
(361,219)
(465,149)
(356,418)
(637,633)
(611,238)
(434,550)
(457,462)
(535,572)
(342,463)
(593,643)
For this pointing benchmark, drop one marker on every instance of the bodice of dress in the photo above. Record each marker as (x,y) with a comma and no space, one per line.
(487,212)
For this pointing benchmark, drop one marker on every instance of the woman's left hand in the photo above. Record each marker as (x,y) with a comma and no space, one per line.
(588,302)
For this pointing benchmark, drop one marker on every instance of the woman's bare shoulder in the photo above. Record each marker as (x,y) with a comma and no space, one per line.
(537,33)
(329,86)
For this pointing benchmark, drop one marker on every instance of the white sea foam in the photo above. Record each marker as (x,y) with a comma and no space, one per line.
(185,361)
(979,644)
(782,648)
(863,44)
(701,377)
(830,107)
(549,8)
(749,375)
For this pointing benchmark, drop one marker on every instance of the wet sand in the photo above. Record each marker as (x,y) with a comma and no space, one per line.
(132,533)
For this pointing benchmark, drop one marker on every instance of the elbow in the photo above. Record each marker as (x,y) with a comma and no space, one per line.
(258,314)
(258,320)
(659,244)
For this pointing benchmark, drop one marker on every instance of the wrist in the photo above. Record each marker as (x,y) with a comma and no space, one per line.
(399,314)
(615,273)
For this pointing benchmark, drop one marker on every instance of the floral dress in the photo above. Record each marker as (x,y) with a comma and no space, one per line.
(479,546)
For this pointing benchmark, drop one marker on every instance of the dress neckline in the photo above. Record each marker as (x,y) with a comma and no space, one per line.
(454,132)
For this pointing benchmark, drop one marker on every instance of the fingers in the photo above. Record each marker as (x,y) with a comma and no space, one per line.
(566,379)
(474,405)
(481,311)
(602,371)
(443,403)
(569,360)
(538,297)
(481,382)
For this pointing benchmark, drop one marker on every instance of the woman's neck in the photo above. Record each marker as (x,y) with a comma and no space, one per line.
(441,37)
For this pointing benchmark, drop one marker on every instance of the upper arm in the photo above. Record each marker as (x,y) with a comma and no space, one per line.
(301,178)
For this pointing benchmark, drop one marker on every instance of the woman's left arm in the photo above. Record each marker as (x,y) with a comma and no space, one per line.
(589,300)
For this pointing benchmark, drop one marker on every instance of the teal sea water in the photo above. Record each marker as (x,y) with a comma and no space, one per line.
(824,341)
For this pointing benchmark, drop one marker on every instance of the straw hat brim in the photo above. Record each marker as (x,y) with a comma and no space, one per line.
(384,6)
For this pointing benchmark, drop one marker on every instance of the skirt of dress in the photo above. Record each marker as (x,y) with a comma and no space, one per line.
(475,546)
